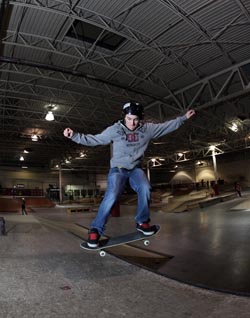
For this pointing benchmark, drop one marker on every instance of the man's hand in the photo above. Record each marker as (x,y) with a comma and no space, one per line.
(190,113)
(68,132)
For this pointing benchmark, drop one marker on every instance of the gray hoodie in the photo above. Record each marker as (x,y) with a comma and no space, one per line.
(129,146)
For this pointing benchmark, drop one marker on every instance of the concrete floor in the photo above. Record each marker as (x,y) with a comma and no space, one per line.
(44,273)
(209,247)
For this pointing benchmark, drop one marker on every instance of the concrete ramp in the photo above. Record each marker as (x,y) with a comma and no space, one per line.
(245,205)
(217,199)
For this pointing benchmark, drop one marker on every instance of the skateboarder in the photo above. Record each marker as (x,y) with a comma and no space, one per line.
(130,138)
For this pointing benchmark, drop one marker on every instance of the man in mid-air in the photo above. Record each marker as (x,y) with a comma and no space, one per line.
(130,138)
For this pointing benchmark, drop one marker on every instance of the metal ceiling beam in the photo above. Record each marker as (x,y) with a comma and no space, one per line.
(201,153)
(243,9)
(25,115)
(64,72)
(64,79)
(173,6)
(104,22)
(113,64)
(218,95)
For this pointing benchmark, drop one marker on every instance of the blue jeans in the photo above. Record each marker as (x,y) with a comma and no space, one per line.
(117,179)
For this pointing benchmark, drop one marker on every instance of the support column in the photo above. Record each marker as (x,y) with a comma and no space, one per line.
(215,167)
(148,170)
(60,184)
(216,188)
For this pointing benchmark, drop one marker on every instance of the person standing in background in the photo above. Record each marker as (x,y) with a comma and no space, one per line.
(237,188)
(24,212)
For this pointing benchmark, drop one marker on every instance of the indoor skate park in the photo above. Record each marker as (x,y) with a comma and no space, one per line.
(75,64)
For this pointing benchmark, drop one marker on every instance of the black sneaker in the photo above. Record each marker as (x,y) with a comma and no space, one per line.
(93,239)
(145,228)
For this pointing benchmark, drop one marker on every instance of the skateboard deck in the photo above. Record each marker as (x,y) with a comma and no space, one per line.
(120,240)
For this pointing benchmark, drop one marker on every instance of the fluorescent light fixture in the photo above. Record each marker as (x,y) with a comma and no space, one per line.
(212,148)
(234,127)
(34,137)
(50,108)
(82,154)
(155,162)
(50,116)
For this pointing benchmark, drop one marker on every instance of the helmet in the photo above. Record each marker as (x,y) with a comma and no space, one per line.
(133,108)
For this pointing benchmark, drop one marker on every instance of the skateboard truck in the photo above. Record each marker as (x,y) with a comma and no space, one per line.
(103,253)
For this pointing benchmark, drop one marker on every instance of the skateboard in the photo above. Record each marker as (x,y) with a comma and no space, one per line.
(120,240)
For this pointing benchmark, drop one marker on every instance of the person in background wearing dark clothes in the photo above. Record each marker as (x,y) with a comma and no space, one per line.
(24,212)
(237,188)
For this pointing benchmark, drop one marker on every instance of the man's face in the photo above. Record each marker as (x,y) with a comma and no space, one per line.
(131,121)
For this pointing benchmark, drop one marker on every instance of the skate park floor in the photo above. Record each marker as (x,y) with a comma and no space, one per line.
(204,267)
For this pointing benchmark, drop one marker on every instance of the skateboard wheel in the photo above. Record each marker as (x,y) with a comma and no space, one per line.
(102,253)
(146,242)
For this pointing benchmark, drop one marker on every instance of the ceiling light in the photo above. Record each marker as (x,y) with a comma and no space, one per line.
(21,158)
(155,162)
(215,150)
(51,107)
(199,163)
(34,137)
(234,127)
(82,154)
(26,151)
(50,116)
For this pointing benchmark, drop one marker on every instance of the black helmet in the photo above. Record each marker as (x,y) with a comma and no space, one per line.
(133,108)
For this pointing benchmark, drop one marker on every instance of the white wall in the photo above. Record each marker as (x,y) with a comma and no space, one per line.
(41,179)
(30,179)
(205,173)
(101,181)
(227,171)
(230,172)
(183,176)
(235,171)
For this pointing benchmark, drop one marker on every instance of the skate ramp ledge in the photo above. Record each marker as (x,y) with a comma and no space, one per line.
(217,199)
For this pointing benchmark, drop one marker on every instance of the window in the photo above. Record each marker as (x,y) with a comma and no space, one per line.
(89,33)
